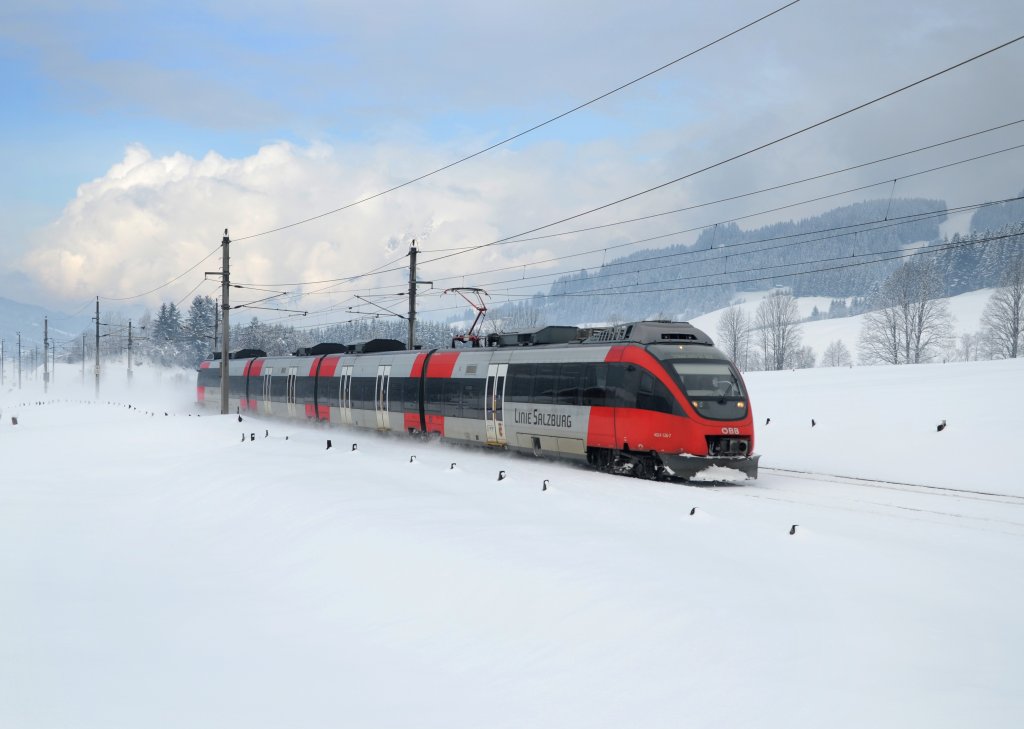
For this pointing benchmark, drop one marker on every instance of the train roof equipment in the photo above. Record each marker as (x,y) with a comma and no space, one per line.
(241,354)
(553,334)
(651,332)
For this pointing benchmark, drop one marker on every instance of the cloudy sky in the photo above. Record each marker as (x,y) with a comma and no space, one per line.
(134,133)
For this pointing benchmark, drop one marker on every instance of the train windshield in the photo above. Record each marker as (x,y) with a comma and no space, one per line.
(708,379)
(711,384)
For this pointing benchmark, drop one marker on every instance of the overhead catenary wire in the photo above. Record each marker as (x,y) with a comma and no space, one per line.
(740,155)
(517,238)
(602,248)
(524,132)
(746,194)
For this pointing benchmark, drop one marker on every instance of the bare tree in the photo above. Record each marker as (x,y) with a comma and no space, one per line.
(1003,319)
(778,329)
(969,348)
(911,324)
(836,355)
(803,358)
(734,336)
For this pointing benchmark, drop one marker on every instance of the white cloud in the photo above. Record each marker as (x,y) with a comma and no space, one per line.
(150,218)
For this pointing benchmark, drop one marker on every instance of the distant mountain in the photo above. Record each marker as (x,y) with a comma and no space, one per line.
(688,280)
(28,319)
(994,217)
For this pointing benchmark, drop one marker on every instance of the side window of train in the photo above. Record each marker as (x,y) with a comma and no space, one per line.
(452,398)
(236,385)
(593,383)
(434,395)
(304,389)
(653,395)
(396,393)
(412,394)
(569,379)
(545,381)
(520,382)
(328,390)
(622,385)
(473,398)
(362,392)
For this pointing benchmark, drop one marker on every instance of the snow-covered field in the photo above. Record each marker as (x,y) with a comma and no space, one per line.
(157,571)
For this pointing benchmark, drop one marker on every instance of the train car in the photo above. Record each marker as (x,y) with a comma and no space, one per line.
(652,399)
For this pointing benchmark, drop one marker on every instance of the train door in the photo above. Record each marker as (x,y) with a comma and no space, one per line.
(292,373)
(494,403)
(268,372)
(380,397)
(346,394)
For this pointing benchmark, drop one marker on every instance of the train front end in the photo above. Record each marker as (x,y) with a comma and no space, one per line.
(719,438)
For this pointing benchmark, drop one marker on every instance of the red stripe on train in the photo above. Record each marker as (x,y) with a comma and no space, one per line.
(417,365)
(329,365)
(441,364)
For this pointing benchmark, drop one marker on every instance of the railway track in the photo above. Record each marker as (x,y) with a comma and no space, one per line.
(990,496)
(987,510)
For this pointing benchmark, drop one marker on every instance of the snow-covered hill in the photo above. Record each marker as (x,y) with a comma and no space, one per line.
(161,569)
(965,308)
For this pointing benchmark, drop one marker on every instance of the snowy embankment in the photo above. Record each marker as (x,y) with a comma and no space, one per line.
(157,571)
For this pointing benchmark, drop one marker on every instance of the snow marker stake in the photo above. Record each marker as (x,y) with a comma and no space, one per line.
(792,529)
(328,444)
(355,446)
(693,511)
(544,487)
(501,475)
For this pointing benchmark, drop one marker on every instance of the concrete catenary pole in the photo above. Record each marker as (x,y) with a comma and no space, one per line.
(412,295)
(129,349)
(46,349)
(226,327)
(97,347)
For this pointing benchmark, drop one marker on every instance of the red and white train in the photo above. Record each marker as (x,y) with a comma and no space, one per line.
(653,399)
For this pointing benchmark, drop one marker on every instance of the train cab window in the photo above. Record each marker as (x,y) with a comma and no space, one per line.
(570,377)
(545,381)
(708,379)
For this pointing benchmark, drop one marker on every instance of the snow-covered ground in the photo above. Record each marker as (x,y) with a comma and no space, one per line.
(157,571)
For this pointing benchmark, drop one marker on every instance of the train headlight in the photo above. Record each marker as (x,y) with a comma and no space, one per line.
(740,405)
